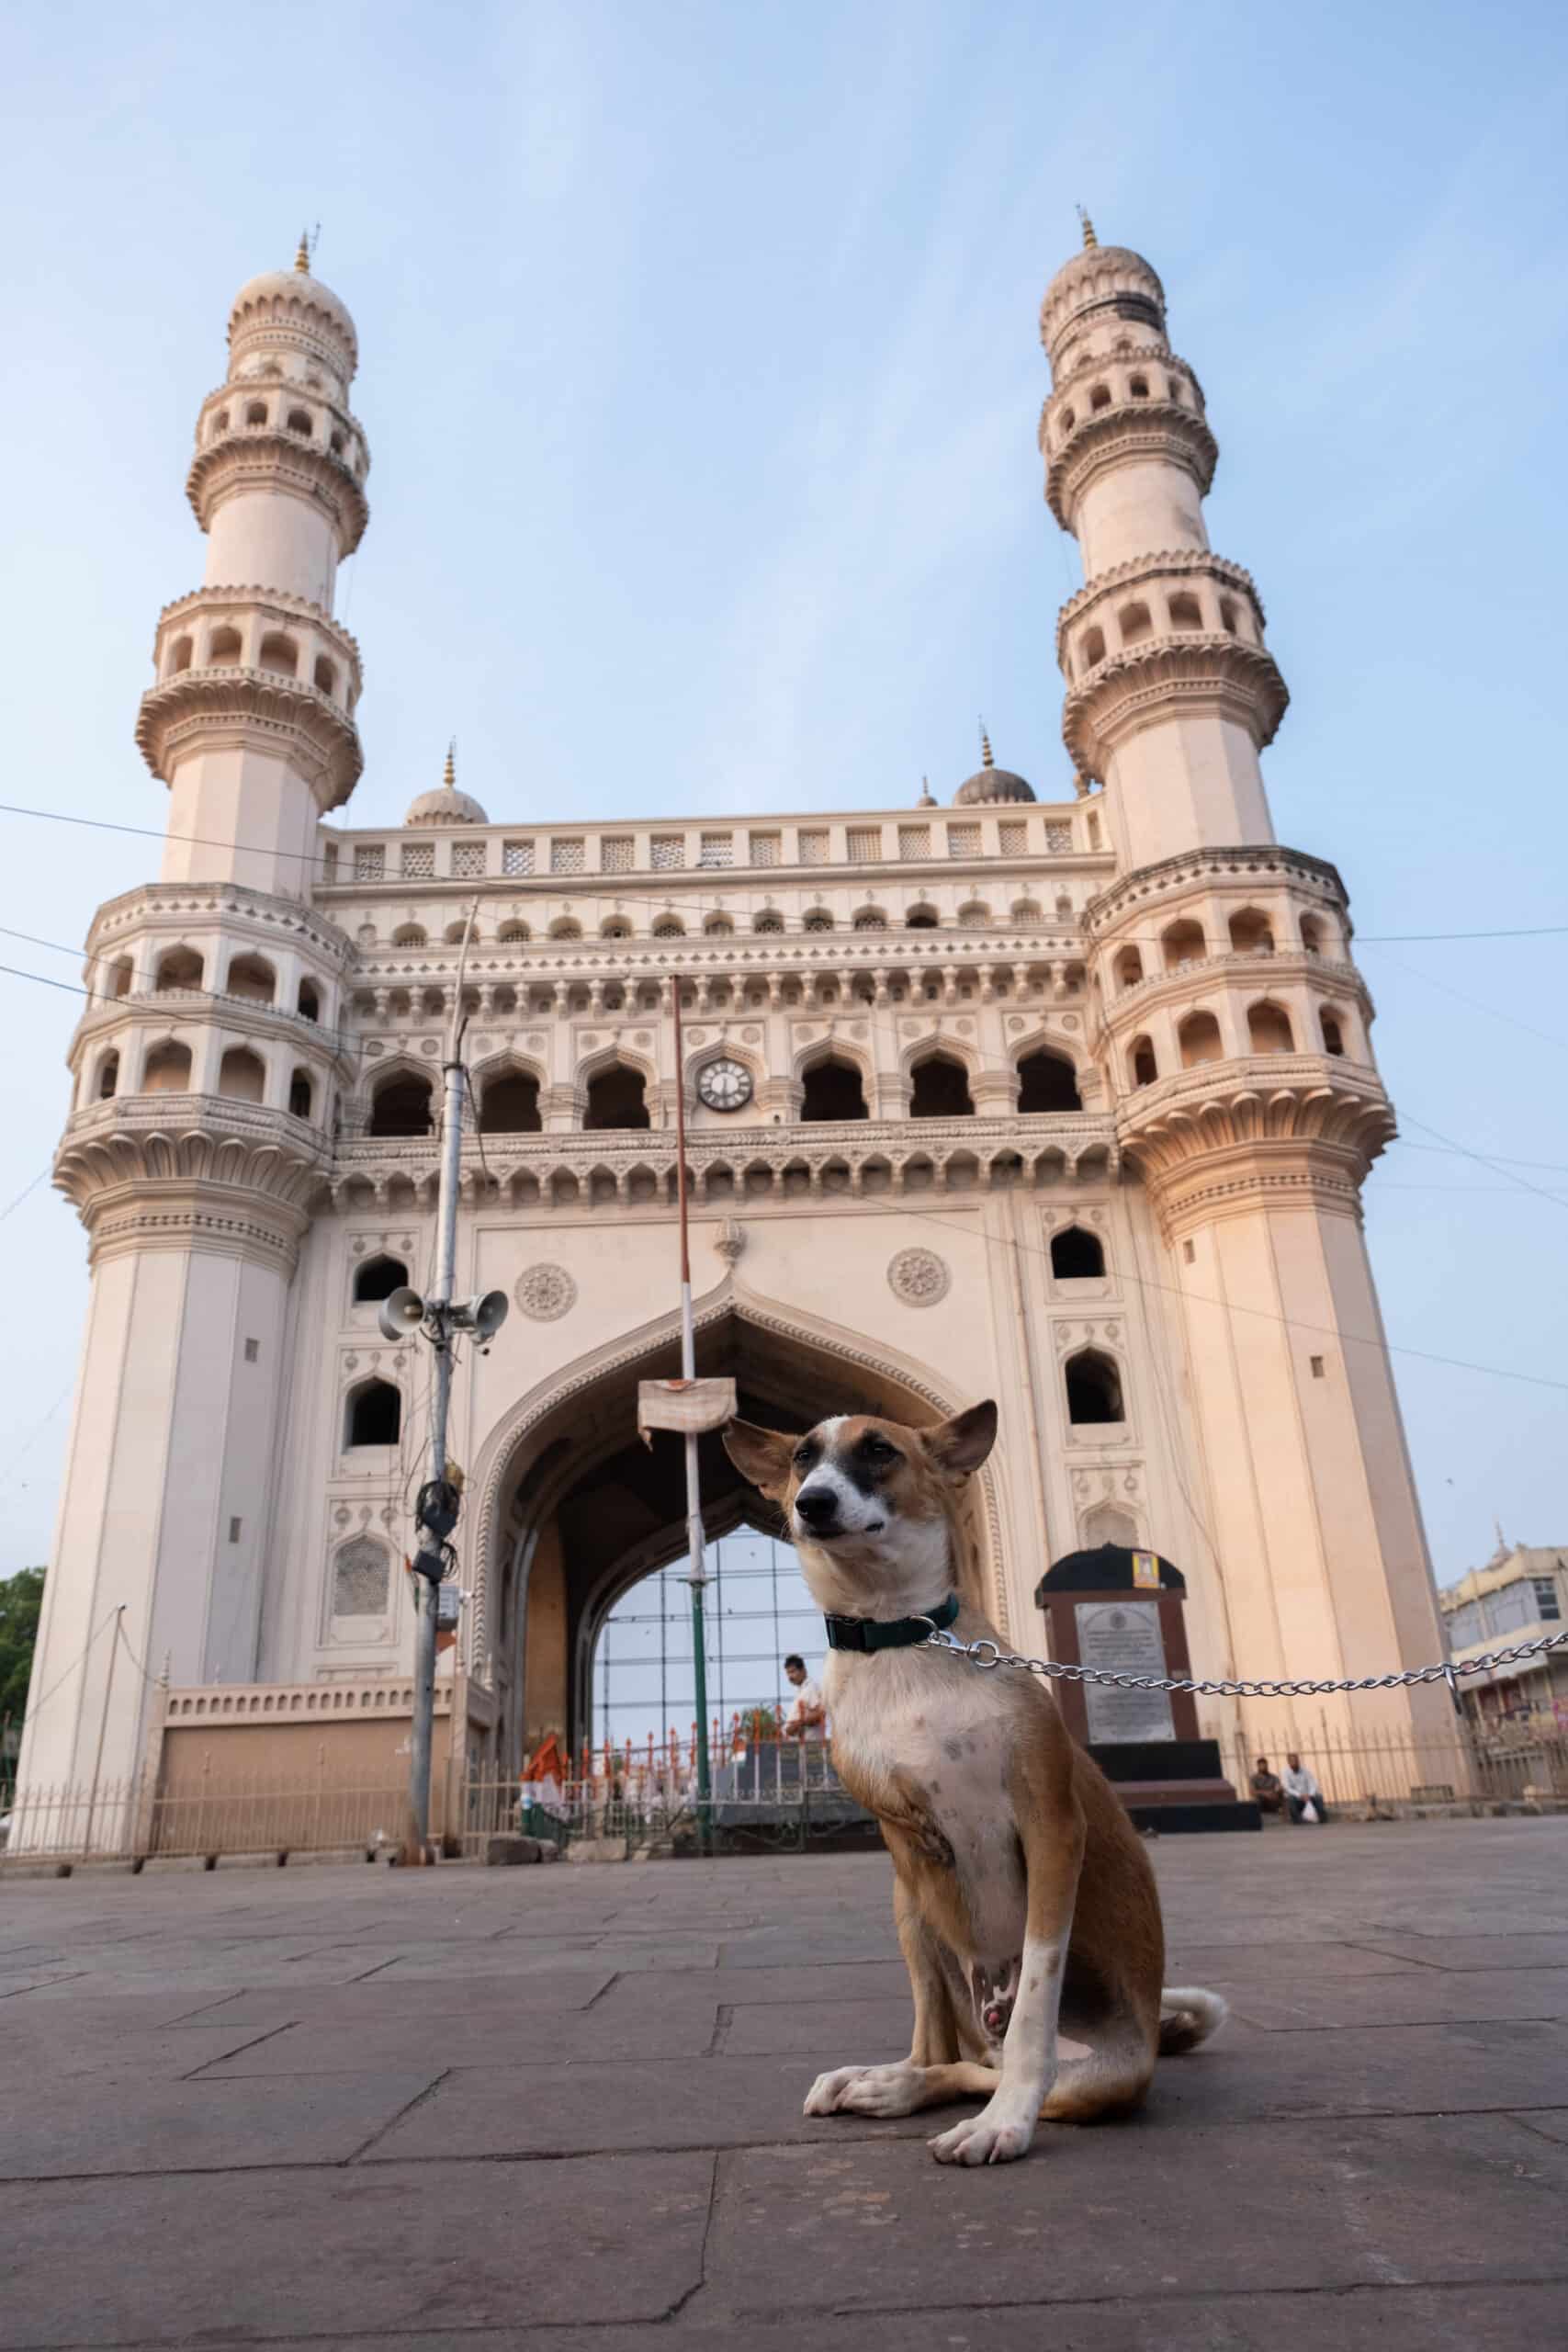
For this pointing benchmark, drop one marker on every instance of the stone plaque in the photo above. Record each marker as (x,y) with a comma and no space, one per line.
(1123,1637)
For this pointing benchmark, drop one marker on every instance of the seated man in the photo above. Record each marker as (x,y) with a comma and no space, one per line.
(807,1718)
(1268,1792)
(1301,1793)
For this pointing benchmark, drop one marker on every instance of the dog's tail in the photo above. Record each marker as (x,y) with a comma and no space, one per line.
(1186,2016)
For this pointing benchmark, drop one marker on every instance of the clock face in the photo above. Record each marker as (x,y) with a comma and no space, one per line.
(724,1085)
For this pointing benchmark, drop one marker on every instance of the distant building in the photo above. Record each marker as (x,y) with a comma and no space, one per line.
(1520,1593)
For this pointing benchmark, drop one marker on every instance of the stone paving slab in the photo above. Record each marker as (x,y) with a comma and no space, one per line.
(455,2036)
(1538,1950)
(323,2253)
(373,1999)
(1414,1997)
(206,2126)
(830,2033)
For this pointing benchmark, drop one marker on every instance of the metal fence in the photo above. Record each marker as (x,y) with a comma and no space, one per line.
(763,1791)
(1471,1769)
(135,1820)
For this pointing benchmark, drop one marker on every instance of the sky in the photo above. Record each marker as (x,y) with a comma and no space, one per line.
(701,376)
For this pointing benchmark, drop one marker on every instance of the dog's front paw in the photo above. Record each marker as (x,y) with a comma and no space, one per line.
(826,2095)
(988,2138)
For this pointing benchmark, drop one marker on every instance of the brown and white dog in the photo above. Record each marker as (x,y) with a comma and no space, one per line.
(1023,1898)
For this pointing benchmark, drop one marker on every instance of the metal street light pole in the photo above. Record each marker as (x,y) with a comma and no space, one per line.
(698,1576)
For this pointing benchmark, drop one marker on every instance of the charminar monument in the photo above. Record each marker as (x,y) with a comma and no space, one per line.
(1063,1095)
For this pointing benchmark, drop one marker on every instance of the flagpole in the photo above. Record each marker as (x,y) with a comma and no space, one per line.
(696,1574)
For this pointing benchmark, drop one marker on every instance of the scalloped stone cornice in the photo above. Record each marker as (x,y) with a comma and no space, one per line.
(1247,862)
(169,906)
(251,387)
(254,456)
(1163,676)
(801,958)
(158,1011)
(1168,561)
(191,1171)
(1106,436)
(276,603)
(256,710)
(1128,1007)
(1279,1130)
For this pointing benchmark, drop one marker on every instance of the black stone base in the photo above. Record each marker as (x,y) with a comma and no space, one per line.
(1175,1820)
(1158,1760)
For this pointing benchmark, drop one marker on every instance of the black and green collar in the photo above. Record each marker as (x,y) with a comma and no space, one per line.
(888,1632)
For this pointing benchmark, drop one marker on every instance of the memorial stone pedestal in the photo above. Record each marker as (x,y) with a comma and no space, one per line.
(1122,1610)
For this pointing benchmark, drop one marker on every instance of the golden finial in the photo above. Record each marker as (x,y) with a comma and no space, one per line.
(449,772)
(986,759)
(302,256)
(927,799)
(1090,239)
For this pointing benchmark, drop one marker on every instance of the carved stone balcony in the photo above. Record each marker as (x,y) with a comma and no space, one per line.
(192,1172)
(255,709)
(1159,429)
(1295,1130)
(257,457)
(1166,675)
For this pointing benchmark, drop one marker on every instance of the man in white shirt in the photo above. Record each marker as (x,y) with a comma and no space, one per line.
(807,1718)
(1302,1789)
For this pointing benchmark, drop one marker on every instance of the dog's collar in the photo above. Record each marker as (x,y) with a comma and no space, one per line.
(889,1633)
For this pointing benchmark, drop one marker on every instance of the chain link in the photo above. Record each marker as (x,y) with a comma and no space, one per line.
(1057,1671)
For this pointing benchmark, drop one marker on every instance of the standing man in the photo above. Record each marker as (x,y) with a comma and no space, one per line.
(1301,1793)
(807,1718)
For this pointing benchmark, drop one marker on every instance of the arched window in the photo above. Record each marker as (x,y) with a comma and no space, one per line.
(1333,1032)
(400,1105)
(374,1415)
(1199,1038)
(179,968)
(377,1278)
(1312,935)
(108,1076)
(120,977)
(1186,612)
(1141,1062)
(302,1095)
(325,675)
(300,422)
(1100,397)
(920,918)
(1129,969)
(1251,933)
(1269,1029)
(335,442)
(832,1090)
(252,977)
(617,1097)
(1138,385)
(941,1089)
(718,927)
(871,918)
(509,1105)
(255,412)
(1183,944)
(669,927)
(1026,913)
(512,935)
(223,650)
(1093,647)
(179,656)
(310,1000)
(1069,418)
(1047,1081)
(615,927)
(1075,1255)
(1227,617)
(219,424)
(280,653)
(410,934)
(167,1071)
(243,1075)
(974,916)
(768,921)
(817,918)
(1134,622)
(1094,1388)
(361,1578)
(566,927)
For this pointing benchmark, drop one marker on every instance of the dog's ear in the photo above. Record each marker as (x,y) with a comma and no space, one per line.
(762,1455)
(960,1445)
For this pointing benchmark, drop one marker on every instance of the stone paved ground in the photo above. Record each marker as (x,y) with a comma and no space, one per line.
(456,2108)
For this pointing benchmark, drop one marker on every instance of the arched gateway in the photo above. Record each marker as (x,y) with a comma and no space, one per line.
(573,1508)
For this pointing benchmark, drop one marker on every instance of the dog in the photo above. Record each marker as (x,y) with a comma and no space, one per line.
(1023,1898)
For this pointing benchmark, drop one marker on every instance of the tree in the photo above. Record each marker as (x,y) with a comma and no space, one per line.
(21,1597)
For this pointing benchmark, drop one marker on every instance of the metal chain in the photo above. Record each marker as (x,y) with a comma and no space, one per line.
(1059,1673)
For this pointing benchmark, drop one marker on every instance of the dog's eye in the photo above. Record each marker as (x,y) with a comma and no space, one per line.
(877,1449)
(803,1458)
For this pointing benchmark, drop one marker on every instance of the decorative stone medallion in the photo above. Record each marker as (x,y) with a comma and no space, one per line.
(546,1293)
(918,1277)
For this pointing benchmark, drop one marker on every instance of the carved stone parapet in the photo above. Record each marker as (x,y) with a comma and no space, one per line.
(1105,437)
(253,458)
(1261,968)
(173,906)
(1247,862)
(1276,1130)
(1167,677)
(1119,577)
(192,1172)
(253,709)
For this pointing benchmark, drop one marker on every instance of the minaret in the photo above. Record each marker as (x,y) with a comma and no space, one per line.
(208,1059)
(251,721)
(1234,1032)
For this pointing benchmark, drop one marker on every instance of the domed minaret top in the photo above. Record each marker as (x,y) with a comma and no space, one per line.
(989,783)
(1103,282)
(447,806)
(292,311)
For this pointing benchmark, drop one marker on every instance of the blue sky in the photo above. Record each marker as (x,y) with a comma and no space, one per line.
(701,376)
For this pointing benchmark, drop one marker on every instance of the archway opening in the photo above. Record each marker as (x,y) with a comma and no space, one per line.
(832,1090)
(510,1106)
(1047,1081)
(617,1098)
(401,1106)
(941,1089)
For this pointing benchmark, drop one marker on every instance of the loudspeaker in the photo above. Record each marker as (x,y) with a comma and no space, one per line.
(488,1314)
(402,1312)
